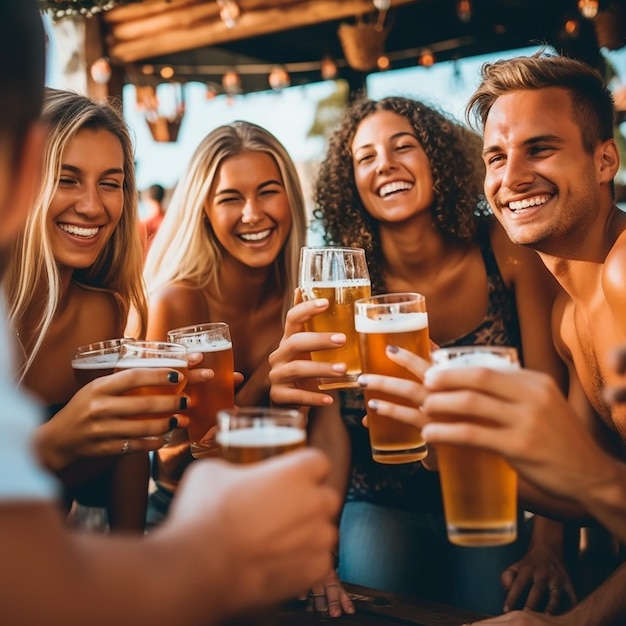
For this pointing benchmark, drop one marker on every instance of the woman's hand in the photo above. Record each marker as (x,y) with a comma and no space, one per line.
(293,375)
(330,596)
(99,419)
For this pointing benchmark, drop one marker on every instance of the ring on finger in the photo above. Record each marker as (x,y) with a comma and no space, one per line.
(125,446)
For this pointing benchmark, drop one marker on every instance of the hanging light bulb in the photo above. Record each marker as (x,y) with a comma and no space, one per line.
(427,58)
(571,28)
(588,8)
(328,68)
(230,12)
(382,5)
(231,81)
(383,63)
(279,78)
(464,10)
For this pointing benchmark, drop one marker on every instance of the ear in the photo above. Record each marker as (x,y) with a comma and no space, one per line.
(608,161)
(21,183)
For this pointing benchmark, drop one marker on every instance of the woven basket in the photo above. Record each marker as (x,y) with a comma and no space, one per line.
(362,43)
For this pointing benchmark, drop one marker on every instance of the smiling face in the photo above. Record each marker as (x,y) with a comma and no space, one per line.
(89,200)
(391,170)
(541,183)
(248,208)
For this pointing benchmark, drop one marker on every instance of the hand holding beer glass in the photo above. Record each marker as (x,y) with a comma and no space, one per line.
(398,319)
(341,276)
(248,435)
(479,487)
(134,354)
(206,398)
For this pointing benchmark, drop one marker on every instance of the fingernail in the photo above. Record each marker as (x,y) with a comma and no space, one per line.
(362,380)
(173,377)
(393,349)
(320,302)
(337,338)
(173,423)
(183,403)
(338,367)
(373,404)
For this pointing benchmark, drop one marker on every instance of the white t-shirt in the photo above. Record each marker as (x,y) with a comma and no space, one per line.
(21,476)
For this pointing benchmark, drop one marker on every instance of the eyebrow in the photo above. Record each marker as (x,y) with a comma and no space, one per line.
(529,142)
(402,133)
(77,170)
(264,184)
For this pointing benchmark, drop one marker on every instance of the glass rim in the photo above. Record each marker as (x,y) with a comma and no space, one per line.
(260,412)
(475,348)
(106,346)
(337,248)
(196,329)
(156,346)
(393,297)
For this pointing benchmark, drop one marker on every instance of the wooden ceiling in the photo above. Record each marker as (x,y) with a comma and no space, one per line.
(190,37)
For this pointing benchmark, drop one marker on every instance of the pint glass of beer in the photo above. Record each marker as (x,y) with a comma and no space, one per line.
(341,276)
(247,435)
(96,359)
(208,397)
(153,354)
(479,487)
(398,319)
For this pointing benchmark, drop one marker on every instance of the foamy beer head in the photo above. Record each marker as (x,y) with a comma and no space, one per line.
(209,337)
(248,435)
(96,359)
(492,357)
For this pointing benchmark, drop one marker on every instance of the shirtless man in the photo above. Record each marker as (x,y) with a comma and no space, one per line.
(551,160)
(207,563)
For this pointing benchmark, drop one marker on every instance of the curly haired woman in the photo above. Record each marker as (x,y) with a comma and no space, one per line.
(404,181)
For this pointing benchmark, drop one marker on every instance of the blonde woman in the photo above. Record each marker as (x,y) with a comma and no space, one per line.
(227,250)
(72,277)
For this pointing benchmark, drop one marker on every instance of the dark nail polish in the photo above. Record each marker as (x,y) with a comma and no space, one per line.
(173,423)
(393,349)
(173,377)
(183,403)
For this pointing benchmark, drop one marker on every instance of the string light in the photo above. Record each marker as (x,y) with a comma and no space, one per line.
(328,68)
(383,63)
(230,12)
(101,71)
(231,81)
(588,8)
(464,10)
(279,78)
(427,58)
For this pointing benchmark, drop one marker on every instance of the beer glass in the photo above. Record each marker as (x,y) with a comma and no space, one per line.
(153,354)
(96,359)
(391,319)
(206,398)
(341,275)
(248,435)
(479,487)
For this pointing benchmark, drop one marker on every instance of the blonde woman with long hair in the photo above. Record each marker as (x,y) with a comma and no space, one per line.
(72,277)
(227,250)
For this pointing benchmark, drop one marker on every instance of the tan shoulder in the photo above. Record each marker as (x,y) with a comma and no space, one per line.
(99,306)
(173,306)
(614,274)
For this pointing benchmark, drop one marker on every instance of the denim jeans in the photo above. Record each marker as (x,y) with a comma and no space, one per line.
(409,553)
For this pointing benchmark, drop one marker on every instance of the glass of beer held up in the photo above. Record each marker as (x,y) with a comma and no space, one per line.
(96,359)
(153,354)
(247,435)
(208,397)
(398,319)
(479,487)
(341,276)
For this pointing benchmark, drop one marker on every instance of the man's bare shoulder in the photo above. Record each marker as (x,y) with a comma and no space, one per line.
(614,275)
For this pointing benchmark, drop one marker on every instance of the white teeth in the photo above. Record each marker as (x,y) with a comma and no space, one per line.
(389,188)
(80,231)
(528,202)
(256,236)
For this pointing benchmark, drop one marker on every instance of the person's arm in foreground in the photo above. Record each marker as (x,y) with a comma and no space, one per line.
(205,564)
(293,379)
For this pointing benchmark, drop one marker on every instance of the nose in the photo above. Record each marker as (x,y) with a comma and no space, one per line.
(251,214)
(89,203)
(516,172)
(384,161)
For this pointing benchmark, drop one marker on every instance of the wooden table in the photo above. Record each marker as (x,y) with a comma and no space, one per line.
(378,608)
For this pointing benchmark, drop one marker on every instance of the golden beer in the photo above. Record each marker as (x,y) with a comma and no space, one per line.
(248,435)
(206,398)
(338,318)
(392,441)
(479,487)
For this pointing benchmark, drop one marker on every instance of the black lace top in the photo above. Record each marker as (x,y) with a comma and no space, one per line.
(410,486)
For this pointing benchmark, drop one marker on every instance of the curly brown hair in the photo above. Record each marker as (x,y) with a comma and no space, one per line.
(454,152)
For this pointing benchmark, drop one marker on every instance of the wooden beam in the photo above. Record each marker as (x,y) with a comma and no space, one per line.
(259,17)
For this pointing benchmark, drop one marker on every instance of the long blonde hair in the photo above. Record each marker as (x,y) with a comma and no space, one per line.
(185,249)
(32,266)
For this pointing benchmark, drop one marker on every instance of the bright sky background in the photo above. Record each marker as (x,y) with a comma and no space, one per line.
(290,113)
